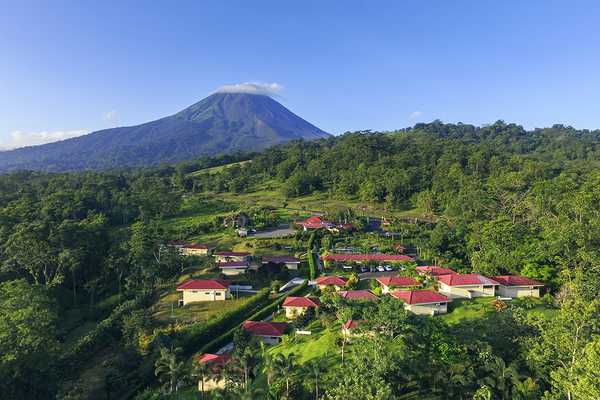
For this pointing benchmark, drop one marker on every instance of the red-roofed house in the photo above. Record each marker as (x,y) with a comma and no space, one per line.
(434,270)
(349,326)
(336,281)
(362,295)
(315,222)
(268,332)
(295,306)
(289,261)
(423,302)
(229,256)
(215,362)
(204,290)
(518,286)
(467,285)
(233,268)
(195,249)
(392,282)
(362,258)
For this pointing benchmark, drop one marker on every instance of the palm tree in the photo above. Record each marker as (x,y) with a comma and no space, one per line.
(170,371)
(201,371)
(500,377)
(313,369)
(248,393)
(246,361)
(268,367)
(286,368)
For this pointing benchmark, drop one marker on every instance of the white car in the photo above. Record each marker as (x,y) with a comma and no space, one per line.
(347,267)
(381,268)
(388,268)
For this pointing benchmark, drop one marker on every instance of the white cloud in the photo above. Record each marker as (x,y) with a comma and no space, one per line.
(415,115)
(109,116)
(268,89)
(21,139)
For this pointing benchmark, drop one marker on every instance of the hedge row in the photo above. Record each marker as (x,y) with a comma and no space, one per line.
(196,335)
(227,337)
(102,333)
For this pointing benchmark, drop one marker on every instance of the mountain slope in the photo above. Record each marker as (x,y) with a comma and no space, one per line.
(220,123)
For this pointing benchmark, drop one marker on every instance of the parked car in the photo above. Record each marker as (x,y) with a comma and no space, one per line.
(381,268)
(347,267)
(388,268)
(364,269)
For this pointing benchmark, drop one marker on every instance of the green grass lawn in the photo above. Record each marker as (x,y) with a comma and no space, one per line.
(470,309)
(167,311)
(220,168)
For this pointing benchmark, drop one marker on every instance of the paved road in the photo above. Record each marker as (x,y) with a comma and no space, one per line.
(375,275)
(273,233)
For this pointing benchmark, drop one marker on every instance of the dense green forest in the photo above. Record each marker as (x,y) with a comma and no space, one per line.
(87,249)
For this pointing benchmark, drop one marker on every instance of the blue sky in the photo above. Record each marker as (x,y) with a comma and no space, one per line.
(68,67)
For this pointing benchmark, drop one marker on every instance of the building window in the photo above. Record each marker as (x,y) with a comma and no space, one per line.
(218,294)
(488,286)
(207,293)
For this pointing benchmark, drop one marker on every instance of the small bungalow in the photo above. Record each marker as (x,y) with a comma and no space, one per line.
(195,250)
(336,281)
(366,258)
(288,261)
(423,302)
(233,268)
(396,282)
(229,256)
(467,285)
(315,222)
(358,295)
(349,327)
(215,362)
(204,290)
(517,286)
(434,270)
(295,306)
(268,332)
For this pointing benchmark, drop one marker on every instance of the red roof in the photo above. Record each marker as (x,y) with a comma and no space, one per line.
(280,259)
(331,280)
(367,257)
(315,222)
(195,246)
(233,264)
(465,279)
(358,295)
(434,270)
(304,302)
(214,359)
(232,254)
(202,284)
(420,296)
(510,280)
(352,324)
(261,328)
(397,281)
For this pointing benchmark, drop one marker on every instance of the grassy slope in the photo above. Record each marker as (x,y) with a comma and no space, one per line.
(214,170)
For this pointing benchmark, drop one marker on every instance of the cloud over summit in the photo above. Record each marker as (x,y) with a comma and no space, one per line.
(21,139)
(267,89)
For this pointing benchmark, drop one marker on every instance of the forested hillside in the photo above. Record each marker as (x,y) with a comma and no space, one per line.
(83,258)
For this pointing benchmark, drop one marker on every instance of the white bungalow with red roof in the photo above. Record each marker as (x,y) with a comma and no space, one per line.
(366,258)
(434,270)
(337,282)
(215,362)
(229,256)
(315,222)
(233,268)
(358,295)
(467,285)
(517,286)
(295,306)
(195,249)
(388,283)
(204,290)
(289,261)
(423,302)
(349,327)
(268,332)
